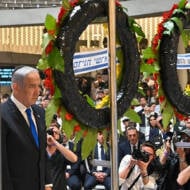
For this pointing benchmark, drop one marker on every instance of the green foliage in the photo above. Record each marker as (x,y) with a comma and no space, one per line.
(42,64)
(68,127)
(135,102)
(119,54)
(50,111)
(130,113)
(148,53)
(55,60)
(178,22)
(134,26)
(90,101)
(50,22)
(89,143)
(181,4)
(149,69)
(167,114)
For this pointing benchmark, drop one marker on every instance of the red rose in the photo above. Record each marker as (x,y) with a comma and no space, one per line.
(77,128)
(73,3)
(118,3)
(48,82)
(49,48)
(150,61)
(68,116)
(61,14)
(161,99)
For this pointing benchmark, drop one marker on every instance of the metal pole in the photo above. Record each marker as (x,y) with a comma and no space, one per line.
(113,87)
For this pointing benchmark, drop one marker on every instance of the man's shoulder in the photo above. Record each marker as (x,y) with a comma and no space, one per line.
(125,143)
(8,105)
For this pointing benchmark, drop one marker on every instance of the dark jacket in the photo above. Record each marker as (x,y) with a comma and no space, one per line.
(23,164)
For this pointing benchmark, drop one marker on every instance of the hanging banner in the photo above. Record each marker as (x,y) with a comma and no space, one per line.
(183,61)
(90,61)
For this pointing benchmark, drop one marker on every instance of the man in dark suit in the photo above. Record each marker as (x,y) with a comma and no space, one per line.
(23,158)
(132,141)
(72,172)
(98,174)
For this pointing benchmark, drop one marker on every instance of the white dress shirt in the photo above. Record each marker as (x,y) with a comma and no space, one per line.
(126,183)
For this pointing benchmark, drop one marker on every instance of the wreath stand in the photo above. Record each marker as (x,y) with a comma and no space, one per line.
(112,47)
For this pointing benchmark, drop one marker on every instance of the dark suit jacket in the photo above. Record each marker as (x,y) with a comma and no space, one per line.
(23,164)
(95,156)
(75,167)
(125,148)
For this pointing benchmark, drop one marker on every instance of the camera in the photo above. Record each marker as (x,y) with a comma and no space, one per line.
(140,155)
(49,131)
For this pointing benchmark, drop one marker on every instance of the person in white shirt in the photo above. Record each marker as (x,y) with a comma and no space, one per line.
(133,169)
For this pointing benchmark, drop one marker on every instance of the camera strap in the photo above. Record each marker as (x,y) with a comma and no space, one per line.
(130,171)
(136,179)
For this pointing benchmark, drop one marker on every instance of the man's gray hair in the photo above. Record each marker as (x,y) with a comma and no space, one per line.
(20,73)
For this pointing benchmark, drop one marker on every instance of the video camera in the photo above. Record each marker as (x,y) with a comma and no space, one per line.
(140,155)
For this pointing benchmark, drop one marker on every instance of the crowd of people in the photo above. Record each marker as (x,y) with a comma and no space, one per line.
(44,157)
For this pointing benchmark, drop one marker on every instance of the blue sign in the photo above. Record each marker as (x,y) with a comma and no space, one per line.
(90,61)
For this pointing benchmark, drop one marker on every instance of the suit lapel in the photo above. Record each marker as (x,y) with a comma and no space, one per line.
(21,127)
(39,124)
(96,152)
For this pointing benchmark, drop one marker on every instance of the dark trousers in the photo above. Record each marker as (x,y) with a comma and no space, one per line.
(91,182)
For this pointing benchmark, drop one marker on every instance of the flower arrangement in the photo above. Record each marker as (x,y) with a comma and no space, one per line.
(151,59)
(53,62)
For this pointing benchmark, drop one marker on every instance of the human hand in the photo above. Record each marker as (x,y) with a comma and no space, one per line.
(50,140)
(48,188)
(100,176)
(143,165)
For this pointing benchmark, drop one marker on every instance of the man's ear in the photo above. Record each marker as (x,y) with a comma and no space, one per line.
(15,87)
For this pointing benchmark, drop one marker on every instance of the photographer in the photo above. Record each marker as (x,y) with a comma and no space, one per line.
(183,151)
(59,157)
(135,171)
(170,164)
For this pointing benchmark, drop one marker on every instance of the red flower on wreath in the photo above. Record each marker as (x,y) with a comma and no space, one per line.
(73,2)
(49,48)
(68,116)
(77,128)
(161,99)
(118,3)
(150,61)
(166,16)
(155,76)
(61,14)
(179,115)
(48,82)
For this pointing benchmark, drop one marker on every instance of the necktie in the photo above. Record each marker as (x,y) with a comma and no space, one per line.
(103,157)
(134,148)
(32,126)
